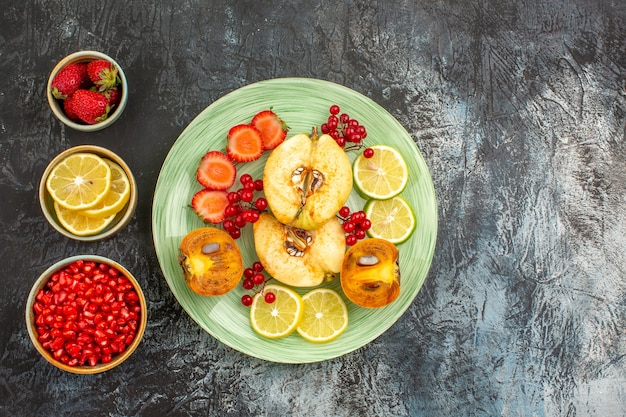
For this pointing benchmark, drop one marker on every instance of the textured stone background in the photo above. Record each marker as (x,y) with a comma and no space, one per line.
(519,108)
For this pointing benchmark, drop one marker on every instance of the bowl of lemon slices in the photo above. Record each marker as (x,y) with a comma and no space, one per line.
(88,193)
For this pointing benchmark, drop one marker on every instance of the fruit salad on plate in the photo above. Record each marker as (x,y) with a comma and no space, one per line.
(304,232)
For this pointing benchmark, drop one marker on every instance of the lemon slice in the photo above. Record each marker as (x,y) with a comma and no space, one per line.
(80,225)
(391,219)
(382,176)
(325,316)
(116,198)
(277,319)
(80,181)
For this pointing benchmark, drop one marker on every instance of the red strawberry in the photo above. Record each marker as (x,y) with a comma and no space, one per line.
(90,106)
(114,95)
(69,109)
(69,79)
(209,205)
(216,171)
(273,129)
(103,74)
(244,143)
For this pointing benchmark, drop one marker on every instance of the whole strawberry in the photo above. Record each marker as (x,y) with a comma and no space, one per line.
(90,106)
(69,109)
(69,79)
(114,95)
(103,74)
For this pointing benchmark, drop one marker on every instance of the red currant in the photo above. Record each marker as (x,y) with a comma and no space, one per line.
(248,272)
(368,153)
(344,211)
(233,197)
(349,227)
(246,300)
(245,179)
(246,195)
(351,240)
(258,278)
(228,225)
(248,284)
(360,234)
(257,266)
(258,185)
(260,204)
(270,297)
(334,109)
(235,233)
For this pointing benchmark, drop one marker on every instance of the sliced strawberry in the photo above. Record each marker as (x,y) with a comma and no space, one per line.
(209,205)
(273,129)
(216,171)
(244,143)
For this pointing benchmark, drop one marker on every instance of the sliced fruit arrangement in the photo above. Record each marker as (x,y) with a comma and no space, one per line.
(318,316)
(302,225)
(88,191)
(217,171)
(89,90)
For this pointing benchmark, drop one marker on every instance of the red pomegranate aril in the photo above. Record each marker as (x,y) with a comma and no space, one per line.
(83,309)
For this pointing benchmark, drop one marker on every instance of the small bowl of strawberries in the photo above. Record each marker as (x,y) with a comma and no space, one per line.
(87,91)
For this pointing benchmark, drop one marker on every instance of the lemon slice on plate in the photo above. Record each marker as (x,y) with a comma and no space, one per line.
(325,316)
(279,318)
(78,224)
(391,219)
(116,198)
(80,181)
(382,176)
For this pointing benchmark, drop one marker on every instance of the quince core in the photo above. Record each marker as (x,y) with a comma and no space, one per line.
(307,179)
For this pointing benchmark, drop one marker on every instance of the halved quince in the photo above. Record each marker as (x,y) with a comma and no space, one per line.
(298,257)
(211,261)
(307,179)
(370,274)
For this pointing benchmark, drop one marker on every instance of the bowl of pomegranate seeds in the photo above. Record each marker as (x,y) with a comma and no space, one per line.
(87,91)
(86,314)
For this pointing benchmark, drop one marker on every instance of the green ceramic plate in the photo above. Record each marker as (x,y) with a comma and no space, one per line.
(302,103)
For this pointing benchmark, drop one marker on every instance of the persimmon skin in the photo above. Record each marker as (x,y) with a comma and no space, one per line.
(211,261)
(368,284)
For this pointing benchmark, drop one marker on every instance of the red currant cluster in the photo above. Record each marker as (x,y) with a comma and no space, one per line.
(253,277)
(355,225)
(344,129)
(242,207)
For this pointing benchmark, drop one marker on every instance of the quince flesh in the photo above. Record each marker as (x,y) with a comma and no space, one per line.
(297,257)
(370,274)
(307,179)
(211,261)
